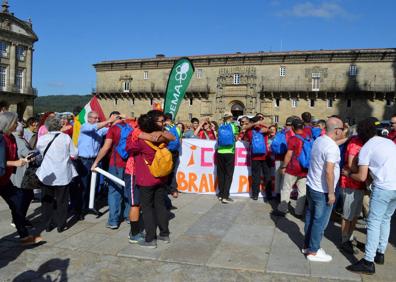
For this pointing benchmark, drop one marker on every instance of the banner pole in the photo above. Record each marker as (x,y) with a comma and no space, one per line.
(92,190)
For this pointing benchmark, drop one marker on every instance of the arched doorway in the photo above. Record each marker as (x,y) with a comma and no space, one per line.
(237,109)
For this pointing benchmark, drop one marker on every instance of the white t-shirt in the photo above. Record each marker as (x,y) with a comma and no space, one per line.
(324,150)
(380,155)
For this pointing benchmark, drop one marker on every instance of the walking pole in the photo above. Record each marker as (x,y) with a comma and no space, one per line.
(92,190)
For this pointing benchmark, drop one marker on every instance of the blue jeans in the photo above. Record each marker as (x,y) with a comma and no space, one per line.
(382,207)
(316,219)
(117,198)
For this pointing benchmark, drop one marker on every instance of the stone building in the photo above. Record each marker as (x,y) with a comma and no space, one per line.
(353,83)
(16,53)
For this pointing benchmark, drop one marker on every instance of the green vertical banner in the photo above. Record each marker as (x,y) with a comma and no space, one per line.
(178,81)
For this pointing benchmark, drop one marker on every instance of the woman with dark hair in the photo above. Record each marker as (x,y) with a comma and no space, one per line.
(152,189)
(8,161)
(376,157)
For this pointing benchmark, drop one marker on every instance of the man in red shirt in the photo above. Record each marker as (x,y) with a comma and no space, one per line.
(117,194)
(294,174)
(392,134)
(353,193)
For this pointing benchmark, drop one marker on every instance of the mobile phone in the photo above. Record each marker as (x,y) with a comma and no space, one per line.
(32,155)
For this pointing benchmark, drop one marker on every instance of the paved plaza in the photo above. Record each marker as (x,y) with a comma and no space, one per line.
(210,241)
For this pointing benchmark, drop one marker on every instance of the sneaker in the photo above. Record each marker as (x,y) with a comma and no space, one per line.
(379,258)
(320,256)
(135,239)
(278,213)
(220,199)
(348,248)
(165,239)
(31,240)
(149,245)
(111,226)
(12,224)
(254,198)
(363,267)
(229,200)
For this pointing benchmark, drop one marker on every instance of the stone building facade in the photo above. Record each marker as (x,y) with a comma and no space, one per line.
(16,56)
(353,83)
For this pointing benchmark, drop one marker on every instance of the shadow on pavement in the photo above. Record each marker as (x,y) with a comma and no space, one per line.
(290,228)
(44,272)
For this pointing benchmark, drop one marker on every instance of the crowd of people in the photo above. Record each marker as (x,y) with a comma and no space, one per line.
(327,163)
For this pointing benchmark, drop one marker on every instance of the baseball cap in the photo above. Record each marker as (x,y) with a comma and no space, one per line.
(289,120)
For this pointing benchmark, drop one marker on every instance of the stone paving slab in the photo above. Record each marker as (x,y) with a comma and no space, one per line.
(210,241)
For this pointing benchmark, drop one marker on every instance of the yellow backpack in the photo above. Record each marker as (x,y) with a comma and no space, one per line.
(162,163)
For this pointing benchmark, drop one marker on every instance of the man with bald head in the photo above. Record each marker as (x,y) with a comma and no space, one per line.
(323,175)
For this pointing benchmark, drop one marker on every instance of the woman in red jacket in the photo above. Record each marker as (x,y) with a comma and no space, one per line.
(8,161)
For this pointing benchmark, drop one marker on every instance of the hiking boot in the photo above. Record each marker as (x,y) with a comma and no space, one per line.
(320,256)
(379,258)
(31,240)
(348,248)
(165,239)
(363,267)
(149,245)
(135,239)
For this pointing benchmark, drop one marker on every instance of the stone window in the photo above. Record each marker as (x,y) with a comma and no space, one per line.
(352,70)
(294,102)
(199,73)
(20,53)
(126,86)
(3,77)
(190,103)
(190,116)
(115,102)
(19,79)
(276,119)
(151,101)
(315,81)
(282,71)
(277,103)
(329,102)
(311,103)
(237,78)
(3,49)
(145,75)
(349,103)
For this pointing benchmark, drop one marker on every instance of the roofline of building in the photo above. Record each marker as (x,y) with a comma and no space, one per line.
(256,54)
(25,24)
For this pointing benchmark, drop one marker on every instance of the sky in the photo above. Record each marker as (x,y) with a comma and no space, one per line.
(75,34)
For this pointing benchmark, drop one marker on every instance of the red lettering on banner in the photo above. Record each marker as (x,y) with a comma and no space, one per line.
(206,161)
(241,157)
(203,184)
(213,183)
(182,184)
(192,177)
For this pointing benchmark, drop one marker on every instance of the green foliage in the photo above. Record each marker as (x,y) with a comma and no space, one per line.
(60,103)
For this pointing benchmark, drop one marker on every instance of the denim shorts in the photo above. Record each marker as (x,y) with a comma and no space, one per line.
(353,202)
(133,191)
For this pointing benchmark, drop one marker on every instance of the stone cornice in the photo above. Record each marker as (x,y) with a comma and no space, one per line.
(261,58)
(26,25)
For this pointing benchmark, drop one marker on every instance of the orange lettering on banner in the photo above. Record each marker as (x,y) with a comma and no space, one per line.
(182,184)
(243,181)
(203,184)
(192,177)
(213,183)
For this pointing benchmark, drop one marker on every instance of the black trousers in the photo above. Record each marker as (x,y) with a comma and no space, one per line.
(27,197)
(55,200)
(259,167)
(225,171)
(154,211)
(13,198)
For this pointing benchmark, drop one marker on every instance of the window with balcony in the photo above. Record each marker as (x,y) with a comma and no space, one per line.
(20,53)
(294,103)
(352,70)
(199,73)
(315,81)
(237,78)
(277,103)
(3,49)
(3,77)
(282,71)
(19,79)
(126,86)
(145,75)
(329,102)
